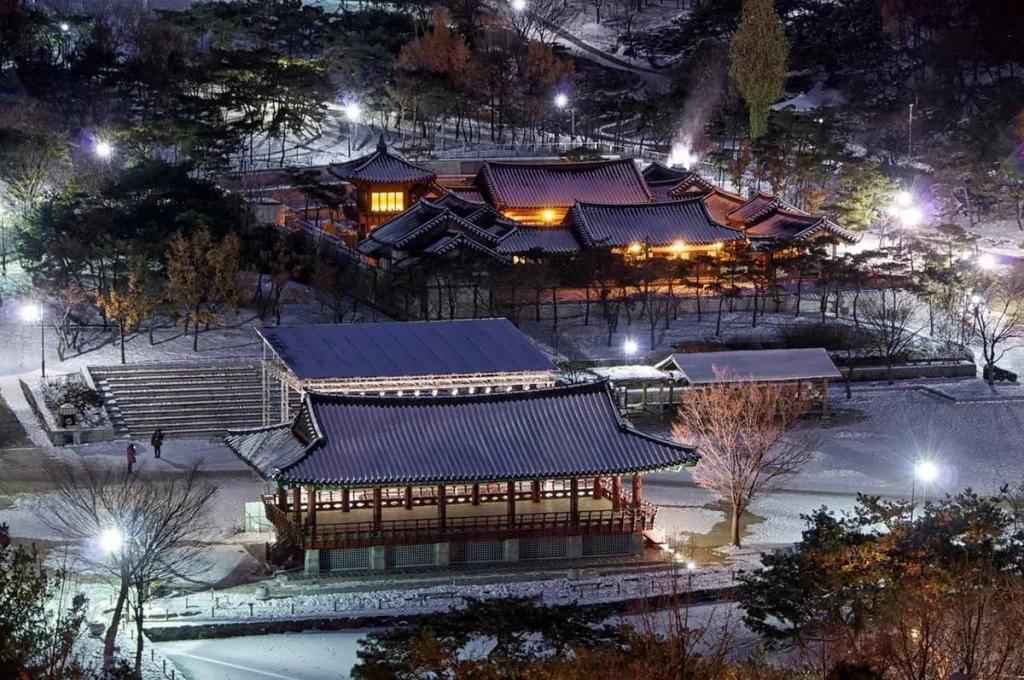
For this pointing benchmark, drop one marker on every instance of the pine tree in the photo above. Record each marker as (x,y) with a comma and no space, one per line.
(760,55)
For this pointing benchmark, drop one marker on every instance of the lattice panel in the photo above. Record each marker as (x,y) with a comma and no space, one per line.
(411,556)
(608,544)
(545,548)
(344,559)
(476,551)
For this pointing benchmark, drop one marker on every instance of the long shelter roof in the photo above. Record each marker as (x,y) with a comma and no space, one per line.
(546,433)
(559,185)
(419,348)
(757,365)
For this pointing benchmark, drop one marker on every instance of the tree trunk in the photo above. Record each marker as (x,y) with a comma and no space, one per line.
(735,539)
(120,333)
(139,620)
(718,324)
(799,292)
(586,307)
(115,621)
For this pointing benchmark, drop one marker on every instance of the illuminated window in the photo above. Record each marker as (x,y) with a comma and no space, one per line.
(387,201)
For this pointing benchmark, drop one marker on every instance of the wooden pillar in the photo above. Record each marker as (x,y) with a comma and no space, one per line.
(638,489)
(346,500)
(598,489)
(824,397)
(378,508)
(442,506)
(511,503)
(408,498)
(296,505)
(311,513)
(282,499)
(574,501)
(476,494)
(535,491)
(616,492)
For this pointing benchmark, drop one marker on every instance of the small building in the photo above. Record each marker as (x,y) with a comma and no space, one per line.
(385,185)
(418,359)
(810,367)
(377,483)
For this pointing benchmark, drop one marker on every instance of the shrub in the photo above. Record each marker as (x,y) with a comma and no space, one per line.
(68,390)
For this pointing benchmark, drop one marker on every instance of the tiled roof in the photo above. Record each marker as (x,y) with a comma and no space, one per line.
(693,183)
(383,167)
(554,432)
(785,224)
(426,220)
(468,193)
(660,172)
(559,185)
(661,190)
(371,350)
(756,207)
(762,365)
(720,203)
(552,241)
(658,224)
(268,448)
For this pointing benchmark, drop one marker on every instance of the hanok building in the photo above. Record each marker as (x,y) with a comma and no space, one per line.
(400,359)
(542,193)
(385,184)
(375,483)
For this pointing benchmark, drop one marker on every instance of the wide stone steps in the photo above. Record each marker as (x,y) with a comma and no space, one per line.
(184,399)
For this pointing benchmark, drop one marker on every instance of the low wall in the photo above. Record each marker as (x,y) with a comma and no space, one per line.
(963,369)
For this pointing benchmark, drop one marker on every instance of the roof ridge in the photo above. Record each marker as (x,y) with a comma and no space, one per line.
(456,399)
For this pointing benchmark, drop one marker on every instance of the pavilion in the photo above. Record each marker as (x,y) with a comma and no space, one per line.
(417,358)
(375,483)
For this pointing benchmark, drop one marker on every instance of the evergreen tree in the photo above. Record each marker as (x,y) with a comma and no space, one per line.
(760,56)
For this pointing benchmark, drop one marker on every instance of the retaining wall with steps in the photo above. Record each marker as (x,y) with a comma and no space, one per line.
(185,399)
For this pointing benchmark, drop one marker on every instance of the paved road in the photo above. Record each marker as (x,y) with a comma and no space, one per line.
(296,656)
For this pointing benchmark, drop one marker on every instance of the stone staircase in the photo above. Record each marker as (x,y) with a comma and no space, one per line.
(197,400)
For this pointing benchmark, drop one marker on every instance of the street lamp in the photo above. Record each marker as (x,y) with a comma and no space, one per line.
(562,101)
(111,540)
(32,313)
(630,347)
(518,5)
(352,113)
(103,149)
(925,470)
(908,214)
(64,27)
(987,261)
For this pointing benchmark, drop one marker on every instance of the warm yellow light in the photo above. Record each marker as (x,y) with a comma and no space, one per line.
(634,248)
(719,244)
(679,246)
(548,215)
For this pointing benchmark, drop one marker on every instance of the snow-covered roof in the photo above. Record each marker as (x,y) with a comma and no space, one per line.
(630,373)
(760,365)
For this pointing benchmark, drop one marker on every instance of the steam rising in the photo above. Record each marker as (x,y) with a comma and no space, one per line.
(707,85)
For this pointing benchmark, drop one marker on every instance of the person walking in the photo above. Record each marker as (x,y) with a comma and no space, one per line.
(157,440)
(130,454)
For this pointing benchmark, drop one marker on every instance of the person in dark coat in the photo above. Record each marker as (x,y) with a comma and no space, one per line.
(130,454)
(157,440)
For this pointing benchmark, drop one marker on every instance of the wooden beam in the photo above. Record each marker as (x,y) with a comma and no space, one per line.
(296,505)
(511,503)
(535,491)
(282,499)
(574,501)
(311,513)
(638,489)
(476,494)
(442,506)
(598,489)
(346,502)
(378,508)
(408,498)
(616,492)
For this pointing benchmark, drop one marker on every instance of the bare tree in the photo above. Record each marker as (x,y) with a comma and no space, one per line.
(891,317)
(149,529)
(744,433)
(540,21)
(997,315)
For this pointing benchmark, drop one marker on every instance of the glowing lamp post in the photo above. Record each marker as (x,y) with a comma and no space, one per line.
(987,261)
(908,214)
(561,102)
(33,313)
(111,540)
(925,470)
(103,149)
(352,114)
(518,5)
(630,348)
